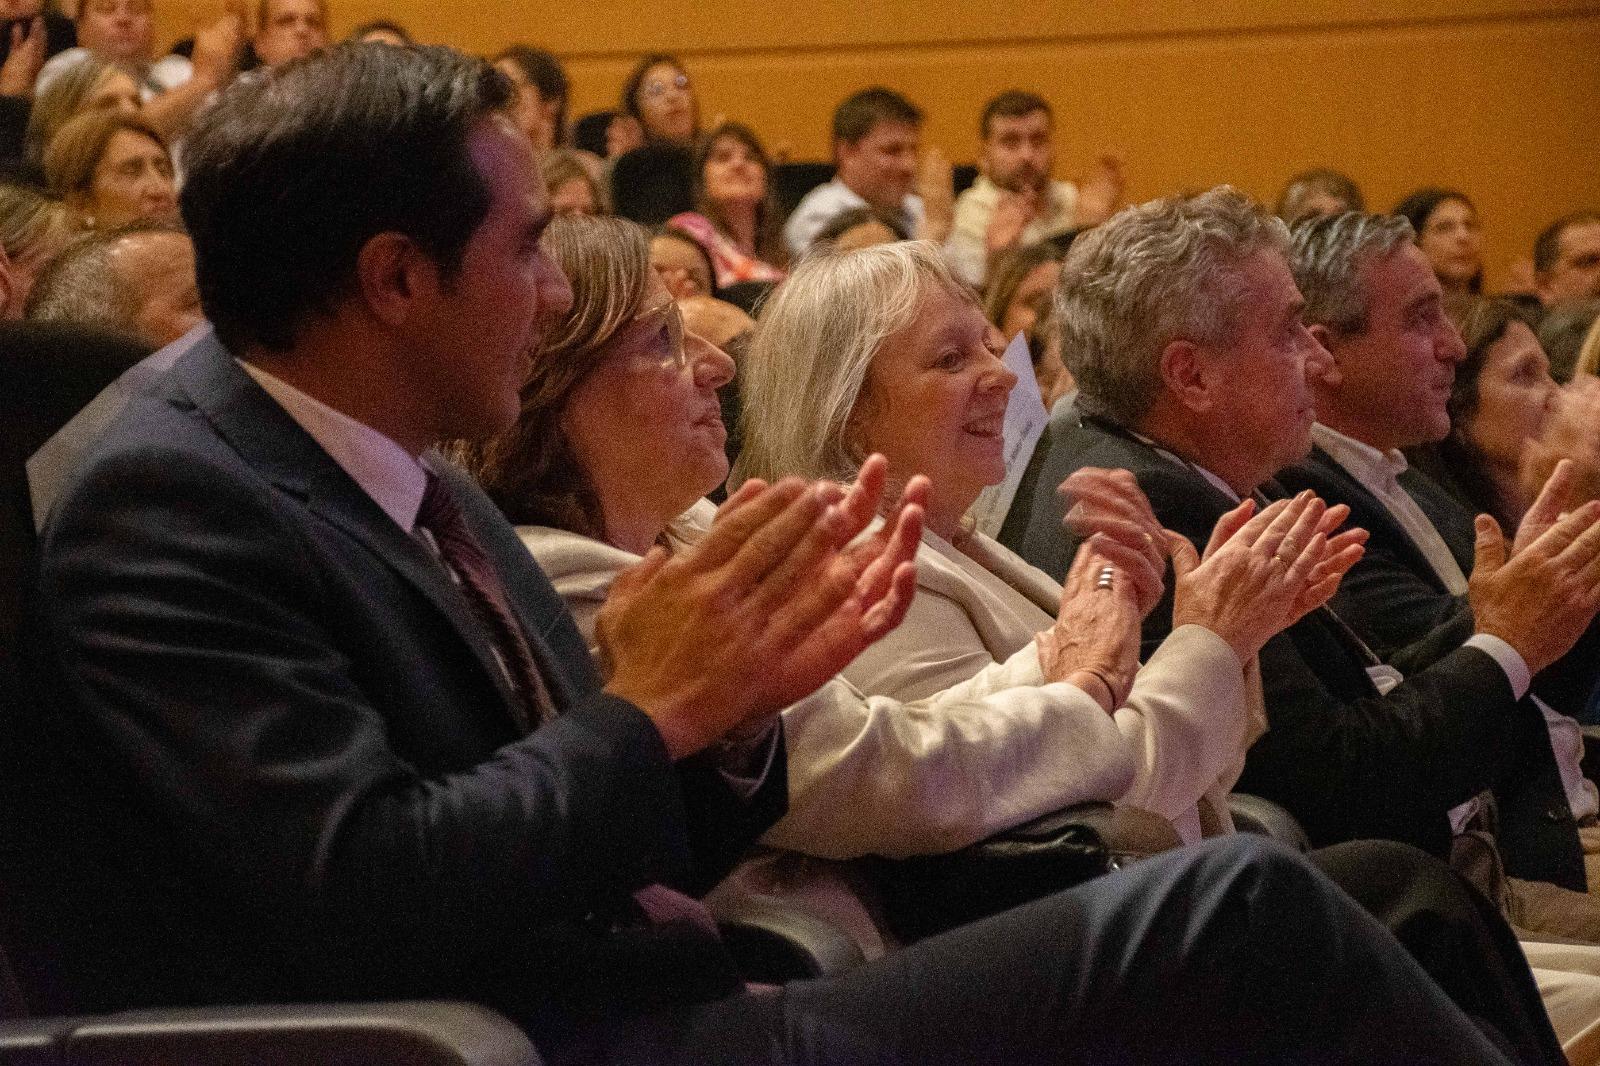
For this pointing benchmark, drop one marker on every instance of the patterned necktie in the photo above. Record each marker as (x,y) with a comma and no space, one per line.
(441,516)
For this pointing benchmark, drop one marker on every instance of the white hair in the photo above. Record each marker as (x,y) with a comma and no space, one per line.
(817,334)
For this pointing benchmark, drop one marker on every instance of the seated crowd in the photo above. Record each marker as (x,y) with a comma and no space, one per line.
(384,640)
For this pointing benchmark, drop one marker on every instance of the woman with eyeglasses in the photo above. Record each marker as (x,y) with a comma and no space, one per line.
(661,97)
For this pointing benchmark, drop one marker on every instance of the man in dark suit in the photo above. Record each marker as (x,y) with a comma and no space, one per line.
(1373,301)
(1365,286)
(320,728)
(1182,325)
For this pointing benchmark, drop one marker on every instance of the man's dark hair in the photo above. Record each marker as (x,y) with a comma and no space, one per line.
(1547,246)
(859,113)
(589,132)
(1013,103)
(1319,181)
(292,171)
(851,217)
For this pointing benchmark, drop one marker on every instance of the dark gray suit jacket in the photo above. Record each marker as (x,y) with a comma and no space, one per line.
(280,763)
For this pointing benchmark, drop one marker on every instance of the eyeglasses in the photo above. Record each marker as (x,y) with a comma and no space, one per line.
(658,87)
(670,317)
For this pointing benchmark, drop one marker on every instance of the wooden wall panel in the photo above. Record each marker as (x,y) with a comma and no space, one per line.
(1499,97)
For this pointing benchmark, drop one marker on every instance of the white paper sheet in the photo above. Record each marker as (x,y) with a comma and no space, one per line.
(1025,421)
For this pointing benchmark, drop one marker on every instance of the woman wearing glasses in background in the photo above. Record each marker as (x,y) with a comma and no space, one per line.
(660,96)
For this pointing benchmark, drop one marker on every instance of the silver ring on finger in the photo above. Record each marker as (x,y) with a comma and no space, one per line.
(1106,575)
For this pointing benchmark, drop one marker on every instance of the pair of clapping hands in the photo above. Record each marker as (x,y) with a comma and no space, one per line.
(1260,573)
(778,597)
(1541,592)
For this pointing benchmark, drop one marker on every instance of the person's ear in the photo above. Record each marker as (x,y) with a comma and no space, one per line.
(79,204)
(1189,375)
(843,151)
(861,415)
(392,274)
(1329,375)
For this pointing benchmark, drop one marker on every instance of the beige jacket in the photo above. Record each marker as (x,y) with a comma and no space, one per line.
(945,732)
(1182,732)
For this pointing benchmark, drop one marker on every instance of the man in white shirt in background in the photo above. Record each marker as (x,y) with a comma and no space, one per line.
(1014,202)
(877,135)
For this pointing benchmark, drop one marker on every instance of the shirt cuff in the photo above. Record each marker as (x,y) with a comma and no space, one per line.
(1512,663)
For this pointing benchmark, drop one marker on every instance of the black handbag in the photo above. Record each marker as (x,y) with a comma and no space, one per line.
(929,894)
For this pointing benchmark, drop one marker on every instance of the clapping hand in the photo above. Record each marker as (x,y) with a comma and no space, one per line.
(1095,641)
(219,47)
(1549,504)
(773,601)
(1012,214)
(1541,597)
(1261,573)
(1571,435)
(1100,192)
(25,60)
(1109,506)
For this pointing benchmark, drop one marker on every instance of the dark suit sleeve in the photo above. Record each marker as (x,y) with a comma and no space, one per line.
(723,824)
(1407,621)
(190,620)
(1345,761)
(1380,766)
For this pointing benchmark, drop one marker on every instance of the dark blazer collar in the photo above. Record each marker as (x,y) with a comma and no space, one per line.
(269,440)
(263,433)
(1371,514)
(1152,453)
(1449,516)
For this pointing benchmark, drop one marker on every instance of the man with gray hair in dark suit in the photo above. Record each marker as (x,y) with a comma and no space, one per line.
(1183,325)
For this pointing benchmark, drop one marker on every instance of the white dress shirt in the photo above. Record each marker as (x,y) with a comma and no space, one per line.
(392,476)
(1379,473)
(826,202)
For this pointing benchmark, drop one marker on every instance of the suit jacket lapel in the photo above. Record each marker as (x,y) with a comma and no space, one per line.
(1369,512)
(270,440)
(1449,517)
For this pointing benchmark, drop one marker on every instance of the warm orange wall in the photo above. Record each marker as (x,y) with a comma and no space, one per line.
(1499,97)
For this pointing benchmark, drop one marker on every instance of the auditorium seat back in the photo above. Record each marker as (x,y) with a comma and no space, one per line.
(48,372)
